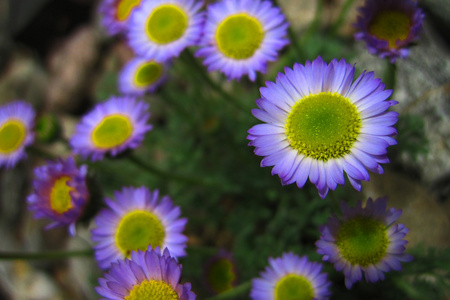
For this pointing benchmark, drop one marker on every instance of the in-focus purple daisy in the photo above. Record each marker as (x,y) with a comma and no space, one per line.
(16,125)
(111,127)
(320,124)
(389,26)
(59,193)
(147,275)
(241,36)
(290,277)
(137,219)
(140,76)
(365,241)
(115,14)
(161,29)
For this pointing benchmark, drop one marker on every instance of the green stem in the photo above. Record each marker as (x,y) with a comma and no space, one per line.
(341,17)
(202,72)
(389,74)
(233,293)
(45,255)
(166,175)
(313,27)
(292,36)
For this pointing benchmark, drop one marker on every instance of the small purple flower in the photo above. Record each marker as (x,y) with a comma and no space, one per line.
(220,273)
(111,127)
(389,26)
(141,76)
(365,241)
(291,277)
(147,275)
(319,123)
(116,13)
(138,218)
(161,29)
(241,36)
(16,125)
(60,193)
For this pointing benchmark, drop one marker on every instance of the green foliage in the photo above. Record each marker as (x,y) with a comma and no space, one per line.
(411,137)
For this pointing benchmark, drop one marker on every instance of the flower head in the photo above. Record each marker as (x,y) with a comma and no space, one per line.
(161,29)
(220,272)
(389,26)
(140,76)
(147,275)
(137,219)
(60,193)
(319,123)
(241,36)
(111,127)
(116,13)
(16,125)
(365,241)
(290,277)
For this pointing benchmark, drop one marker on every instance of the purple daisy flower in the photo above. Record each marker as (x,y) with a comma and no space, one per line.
(140,76)
(241,36)
(16,125)
(161,29)
(115,14)
(111,127)
(320,124)
(147,275)
(60,193)
(220,272)
(136,220)
(365,241)
(389,26)
(291,277)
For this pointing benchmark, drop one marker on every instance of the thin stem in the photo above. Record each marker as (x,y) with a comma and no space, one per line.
(45,255)
(292,36)
(314,24)
(389,74)
(341,17)
(201,70)
(166,175)
(233,293)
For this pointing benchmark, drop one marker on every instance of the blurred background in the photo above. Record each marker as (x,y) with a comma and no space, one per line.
(55,55)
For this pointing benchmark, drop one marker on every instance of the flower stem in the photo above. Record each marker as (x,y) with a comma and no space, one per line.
(45,255)
(233,293)
(389,74)
(341,17)
(201,71)
(166,175)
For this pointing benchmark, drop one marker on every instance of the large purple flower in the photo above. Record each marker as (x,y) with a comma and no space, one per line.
(241,36)
(291,277)
(389,26)
(365,240)
(111,127)
(59,193)
(147,275)
(319,123)
(138,218)
(16,125)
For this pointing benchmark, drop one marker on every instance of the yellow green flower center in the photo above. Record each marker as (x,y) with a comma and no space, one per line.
(294,287)
(148,73)
(363,241)
(239,36)
(167,23)
(323,126)
(137,230)
(112,131)
(221,276)
(390,25)
(60,199)
(154,290)
(125,7)
(12,135)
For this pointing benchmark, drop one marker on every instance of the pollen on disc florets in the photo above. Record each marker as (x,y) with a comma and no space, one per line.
(323,126)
